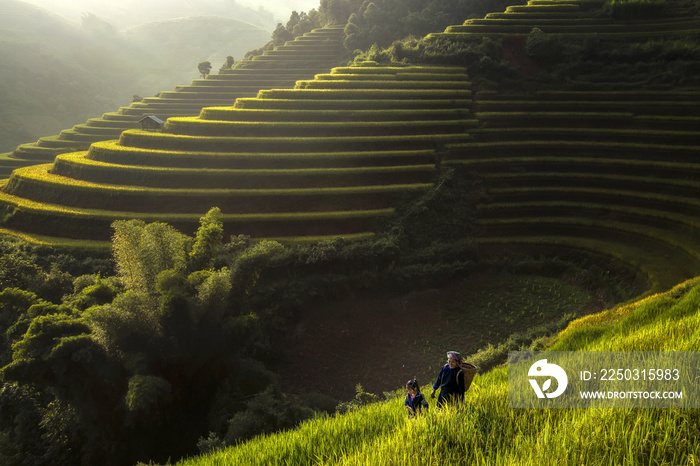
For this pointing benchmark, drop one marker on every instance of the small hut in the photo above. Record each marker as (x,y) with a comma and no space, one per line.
(151,123)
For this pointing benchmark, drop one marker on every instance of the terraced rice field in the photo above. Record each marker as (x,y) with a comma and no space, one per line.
(334,156)
(613,173)
(609,173)
(570,19)
(301,58)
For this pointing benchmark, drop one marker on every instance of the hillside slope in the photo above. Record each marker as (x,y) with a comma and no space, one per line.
(486,431)
(290,163)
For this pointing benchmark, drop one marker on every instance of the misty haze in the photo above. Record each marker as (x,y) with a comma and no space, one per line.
(67,61)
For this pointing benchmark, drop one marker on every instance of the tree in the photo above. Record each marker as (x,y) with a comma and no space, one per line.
(143,251)
(204,69)
(208,240)
(281,35)
(119,374)
(228,64)
(335,11)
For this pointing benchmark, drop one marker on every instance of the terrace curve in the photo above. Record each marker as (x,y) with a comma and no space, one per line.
(281,67)
(607,172)
(334,156)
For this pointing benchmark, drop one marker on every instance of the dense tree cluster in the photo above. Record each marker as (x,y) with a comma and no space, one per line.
(380,22)
(182,338)
(137,365)
(297,25)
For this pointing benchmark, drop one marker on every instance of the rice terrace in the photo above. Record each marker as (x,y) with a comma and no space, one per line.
(253,278)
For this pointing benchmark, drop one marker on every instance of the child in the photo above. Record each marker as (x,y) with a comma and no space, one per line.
(415,401)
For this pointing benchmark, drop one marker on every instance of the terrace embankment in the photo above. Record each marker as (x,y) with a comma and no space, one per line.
(611,172)
(334,156)
(314,52)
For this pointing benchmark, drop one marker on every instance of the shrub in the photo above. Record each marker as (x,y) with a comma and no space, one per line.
(268,411)
(362,398)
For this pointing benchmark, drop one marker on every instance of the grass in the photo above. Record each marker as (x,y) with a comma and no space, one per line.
(590,148)
(599,165)
(398,70)
(374,127)
(605,227)
(404,75)
(67,243)
(665,257)
(308,115)
(485,431)
(41,174)
(76,166)
(620,30)
(144,139)
(504,304)
(36,184)
(364,94)
(35,218)
(594,180)
(351,84)
(650,200)
(112,152)
(349,104)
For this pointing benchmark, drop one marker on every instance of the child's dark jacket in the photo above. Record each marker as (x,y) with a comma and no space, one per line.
(417,402)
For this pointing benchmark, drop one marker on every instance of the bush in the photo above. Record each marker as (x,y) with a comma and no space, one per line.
(362,398)
(268,411)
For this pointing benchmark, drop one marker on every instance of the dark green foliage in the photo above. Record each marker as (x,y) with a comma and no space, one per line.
(250,263)
(543,47)
(14,303)
(481,57)
(143,251)
(362,398)
(145,393)
(146,356)
(92,290)
(381,22)
(636,9)
(337,12)
(26,442)
(445,213)
(653,61)
(44,270)
(18,270)
(266,412)
(207,240)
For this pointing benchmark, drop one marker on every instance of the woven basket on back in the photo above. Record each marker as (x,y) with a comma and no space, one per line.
(469,372)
